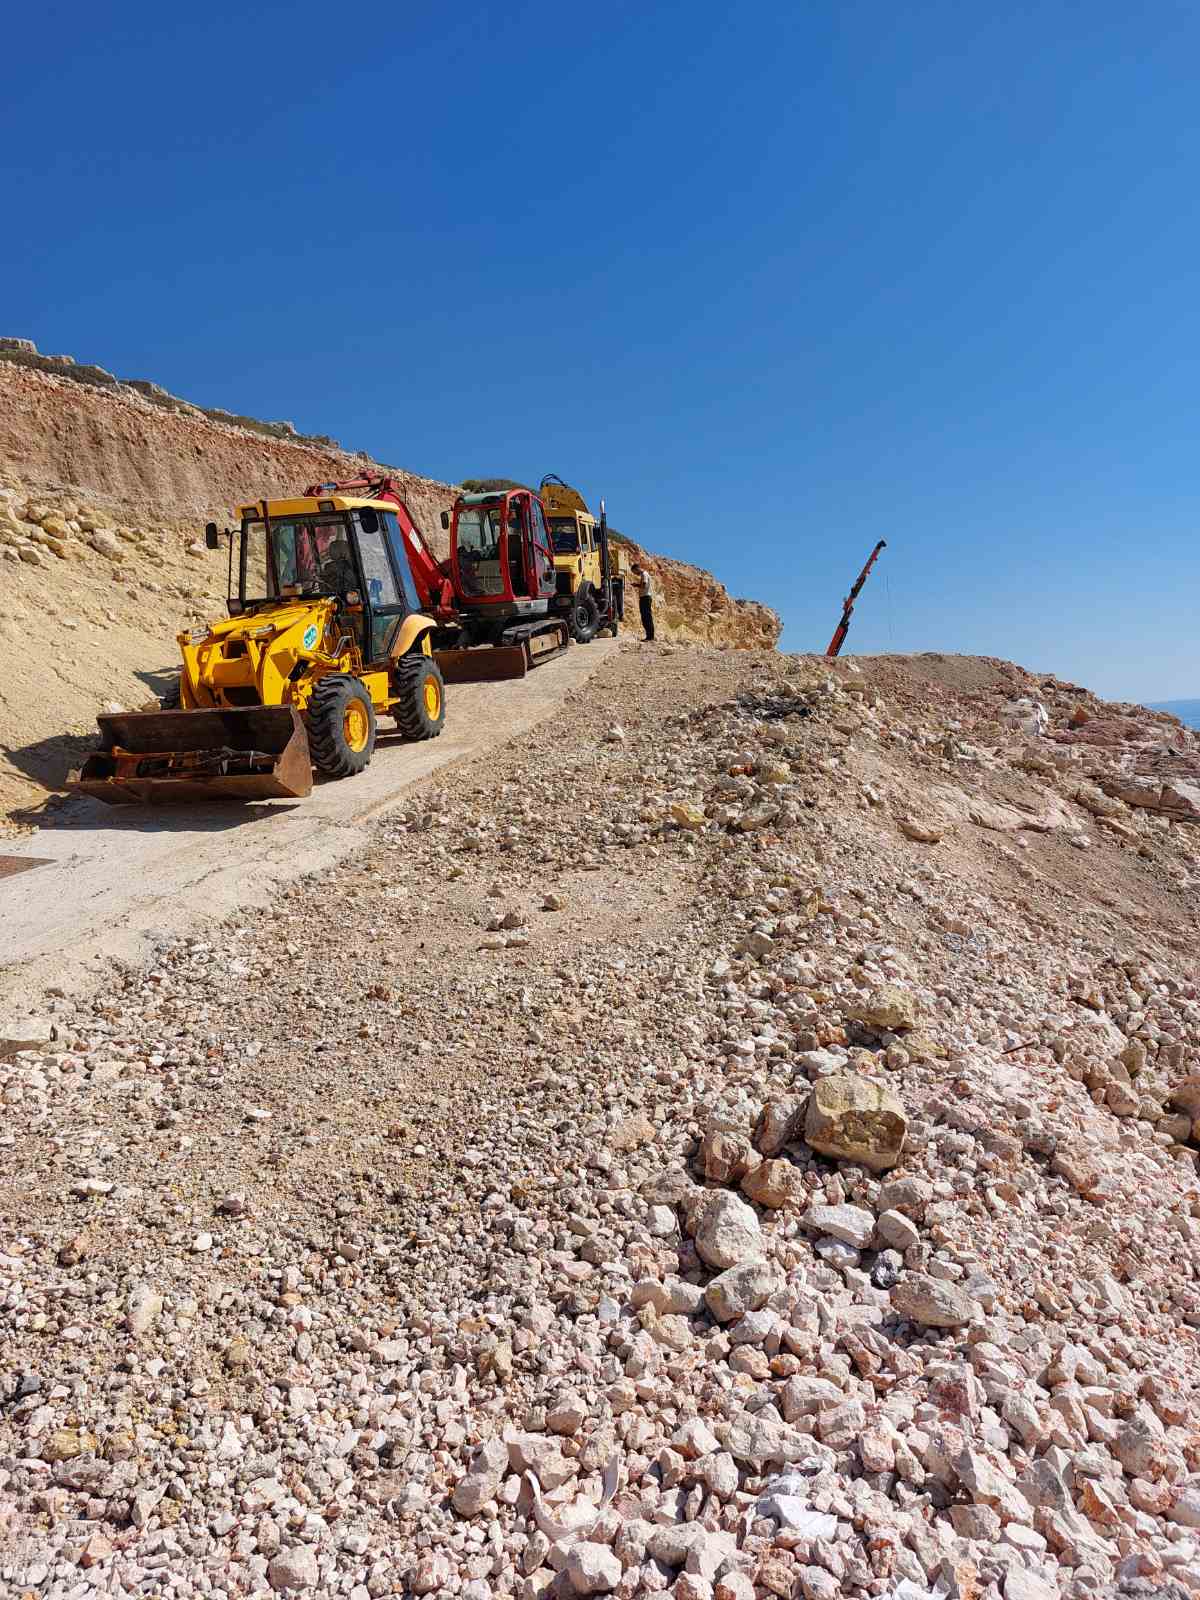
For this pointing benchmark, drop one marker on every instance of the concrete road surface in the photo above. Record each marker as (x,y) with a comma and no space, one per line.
(115,879)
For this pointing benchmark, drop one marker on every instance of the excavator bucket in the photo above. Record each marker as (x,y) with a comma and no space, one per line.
(483,664)
(533,644)
(173,757)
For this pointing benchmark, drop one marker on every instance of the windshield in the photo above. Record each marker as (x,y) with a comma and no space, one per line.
(565,536)
(478,544)
(305,555)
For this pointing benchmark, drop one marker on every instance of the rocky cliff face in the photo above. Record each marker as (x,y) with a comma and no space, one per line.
(694,607)
(142,454)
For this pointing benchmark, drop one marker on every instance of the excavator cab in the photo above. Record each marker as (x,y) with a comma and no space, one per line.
(500,554)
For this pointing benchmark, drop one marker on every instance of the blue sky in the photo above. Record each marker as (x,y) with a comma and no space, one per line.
(778,280)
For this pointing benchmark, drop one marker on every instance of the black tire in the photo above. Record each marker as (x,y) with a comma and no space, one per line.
(584,617)
(420,712)
(336,704)
(172,699)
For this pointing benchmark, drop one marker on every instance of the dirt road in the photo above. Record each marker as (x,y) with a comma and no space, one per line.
(111,881)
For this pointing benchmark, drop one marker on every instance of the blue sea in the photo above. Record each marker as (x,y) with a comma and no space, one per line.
(1186,710)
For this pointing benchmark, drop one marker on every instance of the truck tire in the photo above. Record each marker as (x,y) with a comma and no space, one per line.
(171,699)
(341,726)
(584,618)
(420,712)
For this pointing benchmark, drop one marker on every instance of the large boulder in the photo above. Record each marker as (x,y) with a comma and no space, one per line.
(855,1118)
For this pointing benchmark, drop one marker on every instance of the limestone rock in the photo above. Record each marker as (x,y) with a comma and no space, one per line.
(737,1290)
(761,1441)
(854,1118)
(896,1231)
(922,830)
(932,1302)
(775,1184)
(294,1569)
(19,1032)
(727,1232)
(482,1481)
(779,1122)
(106,544)
(631,1132)
(851,1224)
(888,1009)
(692,1546)
(142,1308)
(593,1568)
(724,1155)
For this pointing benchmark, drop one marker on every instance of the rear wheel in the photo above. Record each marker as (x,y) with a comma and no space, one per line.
(585,616)
(420,710)
(341,726)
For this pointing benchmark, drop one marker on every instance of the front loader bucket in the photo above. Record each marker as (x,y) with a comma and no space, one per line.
(175,757)
(482,665)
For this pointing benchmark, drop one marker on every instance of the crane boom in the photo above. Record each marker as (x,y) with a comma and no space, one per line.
(843,627)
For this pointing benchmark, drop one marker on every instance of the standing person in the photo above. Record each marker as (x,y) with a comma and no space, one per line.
(645,589)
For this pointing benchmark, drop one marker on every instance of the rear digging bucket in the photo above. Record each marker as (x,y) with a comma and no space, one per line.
(175,757)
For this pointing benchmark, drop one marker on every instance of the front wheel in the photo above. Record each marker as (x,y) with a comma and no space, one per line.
(420,709)
(341,726)
(585,616)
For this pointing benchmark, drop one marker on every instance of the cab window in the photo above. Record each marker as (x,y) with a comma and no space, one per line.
(377,569)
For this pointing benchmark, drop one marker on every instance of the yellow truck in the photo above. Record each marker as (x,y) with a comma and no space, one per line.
(589,569)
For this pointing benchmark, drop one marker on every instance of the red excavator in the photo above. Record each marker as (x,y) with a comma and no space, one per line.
(495,588)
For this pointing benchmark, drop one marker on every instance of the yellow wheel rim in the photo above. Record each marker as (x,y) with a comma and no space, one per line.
(433,699)
(356,729)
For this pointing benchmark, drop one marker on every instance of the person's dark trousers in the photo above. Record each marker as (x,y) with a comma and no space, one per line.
(646,606)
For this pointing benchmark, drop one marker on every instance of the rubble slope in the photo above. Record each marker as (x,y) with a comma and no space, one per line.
(781,1184)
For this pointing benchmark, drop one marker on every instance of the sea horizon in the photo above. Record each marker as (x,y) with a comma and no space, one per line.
(1188,711)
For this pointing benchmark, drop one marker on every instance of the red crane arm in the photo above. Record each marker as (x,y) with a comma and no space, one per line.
(843,627)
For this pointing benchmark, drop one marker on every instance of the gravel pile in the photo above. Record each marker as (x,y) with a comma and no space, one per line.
(744,1145)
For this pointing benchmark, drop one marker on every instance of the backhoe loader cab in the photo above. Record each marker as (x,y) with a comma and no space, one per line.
(324,634)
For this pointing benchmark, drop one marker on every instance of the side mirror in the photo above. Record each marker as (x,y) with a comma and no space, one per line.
(445,519)
(211,537)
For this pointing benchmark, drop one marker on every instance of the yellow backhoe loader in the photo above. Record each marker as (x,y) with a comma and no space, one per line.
(324,635)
